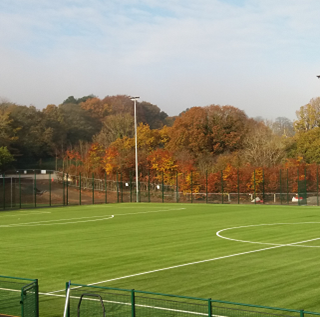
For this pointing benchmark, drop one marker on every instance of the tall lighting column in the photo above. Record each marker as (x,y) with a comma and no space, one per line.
(136,145)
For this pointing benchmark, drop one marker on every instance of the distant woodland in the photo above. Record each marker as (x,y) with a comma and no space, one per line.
(93,135)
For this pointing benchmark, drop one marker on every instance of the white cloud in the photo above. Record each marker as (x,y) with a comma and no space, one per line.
(261,56)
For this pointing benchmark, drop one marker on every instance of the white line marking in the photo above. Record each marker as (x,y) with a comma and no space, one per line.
(214,259)
(89,219)
(176,266)
(147,212)
(50,223)
(9,289)
(26,213)
(185,264)
(129,304)
(294,244)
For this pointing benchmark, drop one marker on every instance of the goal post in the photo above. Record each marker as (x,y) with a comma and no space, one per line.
(66,312)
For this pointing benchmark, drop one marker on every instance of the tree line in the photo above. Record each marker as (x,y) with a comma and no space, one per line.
(93,135)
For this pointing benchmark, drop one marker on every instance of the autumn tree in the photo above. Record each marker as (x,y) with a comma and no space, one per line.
(190,133)
(163,163)
(147,113)
(96,107)
(212,130)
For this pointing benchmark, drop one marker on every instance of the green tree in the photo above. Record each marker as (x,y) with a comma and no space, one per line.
(73,100)
(114,127)
(308,145)
(8,134)
(5,158)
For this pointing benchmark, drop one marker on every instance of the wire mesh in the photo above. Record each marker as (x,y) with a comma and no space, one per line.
(272,186)
(30,300)
(18,297)
(94,300)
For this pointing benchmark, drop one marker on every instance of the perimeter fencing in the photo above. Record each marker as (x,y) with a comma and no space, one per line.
(88,301)
(35,188)
(19,297)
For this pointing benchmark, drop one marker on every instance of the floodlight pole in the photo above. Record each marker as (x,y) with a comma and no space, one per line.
(136,145)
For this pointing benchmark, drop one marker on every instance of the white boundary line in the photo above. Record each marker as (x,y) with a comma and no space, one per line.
(25,213)
(51,223)
(175,266)
(89,219)
(147,212)
(274,246)
(294,244)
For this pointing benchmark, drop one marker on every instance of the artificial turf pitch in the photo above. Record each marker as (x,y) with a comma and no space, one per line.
(269,255)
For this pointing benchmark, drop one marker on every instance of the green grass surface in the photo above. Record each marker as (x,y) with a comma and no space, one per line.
(59,244)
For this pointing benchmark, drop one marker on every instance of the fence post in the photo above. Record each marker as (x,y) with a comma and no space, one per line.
(177,188)
(105,188)
(37,298)
(121,187)
(280,188)
(67,189)
(130,183)
(4,190)
(209,308)
(133,304)
(305,182)
(191,187)
(301,312)
(298,177)
(221,186)
(117,188)
(287,187)
(92,188)
(254,186)
(63,190)
(238,186)
(22,304)
(148,185)
(35,187)
(317,185)
(263,194)
(162,187)
(49,189)
(206,187)
(80,188)
(139,192)
(19,189)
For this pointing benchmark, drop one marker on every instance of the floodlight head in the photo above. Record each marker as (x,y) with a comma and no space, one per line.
(132,98)
(318,76)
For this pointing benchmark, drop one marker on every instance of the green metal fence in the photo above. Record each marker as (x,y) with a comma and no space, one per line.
(107,301)
(19,297)
(46,188)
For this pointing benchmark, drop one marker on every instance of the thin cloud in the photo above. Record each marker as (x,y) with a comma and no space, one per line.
(260,56)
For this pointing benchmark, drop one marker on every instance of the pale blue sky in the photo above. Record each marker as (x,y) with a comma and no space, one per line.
(261,56)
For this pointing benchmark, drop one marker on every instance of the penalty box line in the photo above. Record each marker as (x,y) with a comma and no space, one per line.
(174,267)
